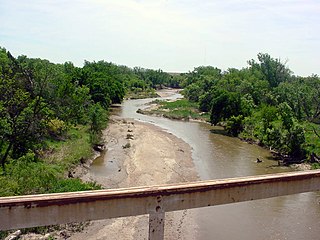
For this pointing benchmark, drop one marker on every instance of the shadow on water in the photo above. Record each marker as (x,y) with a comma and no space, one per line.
(115,106)
(220,131)
(99,161)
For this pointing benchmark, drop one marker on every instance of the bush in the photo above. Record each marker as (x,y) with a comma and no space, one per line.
(27,176)
(73,185)
(234,125)
(32,177)
(8,187)
(56,127)
(98,117)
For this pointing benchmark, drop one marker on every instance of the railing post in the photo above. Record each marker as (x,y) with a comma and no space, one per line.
(156,225)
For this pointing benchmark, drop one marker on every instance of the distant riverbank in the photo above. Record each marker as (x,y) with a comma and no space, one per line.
(177,109)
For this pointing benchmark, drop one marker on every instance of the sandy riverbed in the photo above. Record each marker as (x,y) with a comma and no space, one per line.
(154,157)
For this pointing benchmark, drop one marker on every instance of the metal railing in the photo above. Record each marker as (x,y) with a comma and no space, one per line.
(49,209)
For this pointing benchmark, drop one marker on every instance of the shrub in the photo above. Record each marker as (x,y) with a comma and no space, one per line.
(56,127)
(234,125)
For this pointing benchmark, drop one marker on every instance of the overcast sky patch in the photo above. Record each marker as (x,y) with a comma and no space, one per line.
(175,36)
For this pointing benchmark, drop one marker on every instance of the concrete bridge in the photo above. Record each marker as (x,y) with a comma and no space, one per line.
(49,209)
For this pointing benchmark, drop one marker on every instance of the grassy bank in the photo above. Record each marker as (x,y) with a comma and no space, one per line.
(46,173)
(137,94)
(71,150)
(180,110)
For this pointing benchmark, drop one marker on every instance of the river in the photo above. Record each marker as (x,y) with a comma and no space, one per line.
(217,156)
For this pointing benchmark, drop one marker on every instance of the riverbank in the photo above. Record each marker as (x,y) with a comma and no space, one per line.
(217,156)
(180,109)
(185,110)
(148,93)
(141,154)
(56,169)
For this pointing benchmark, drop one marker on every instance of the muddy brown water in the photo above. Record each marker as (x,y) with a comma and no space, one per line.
(217,156)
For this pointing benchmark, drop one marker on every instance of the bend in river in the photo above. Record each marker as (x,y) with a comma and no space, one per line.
(217,156)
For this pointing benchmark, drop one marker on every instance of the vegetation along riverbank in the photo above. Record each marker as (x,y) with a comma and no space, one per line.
(52,115)
(181,109)
(186,110)
(263,103)
(133,159)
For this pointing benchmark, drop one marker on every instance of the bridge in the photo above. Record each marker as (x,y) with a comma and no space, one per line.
(50,209)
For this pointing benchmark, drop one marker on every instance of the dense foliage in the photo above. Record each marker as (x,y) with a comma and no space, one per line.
(264,102)
(40,102)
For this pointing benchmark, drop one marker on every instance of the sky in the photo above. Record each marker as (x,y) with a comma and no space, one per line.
(172,35)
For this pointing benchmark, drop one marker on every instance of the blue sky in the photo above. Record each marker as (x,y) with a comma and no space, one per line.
(174,35)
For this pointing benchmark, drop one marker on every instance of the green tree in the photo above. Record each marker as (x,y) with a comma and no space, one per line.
(313,83)
(235,125)
(224,105)
(272,70)
(97,117)
(103,80)
(23,119)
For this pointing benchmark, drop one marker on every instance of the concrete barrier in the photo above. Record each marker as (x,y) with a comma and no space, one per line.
(49,209)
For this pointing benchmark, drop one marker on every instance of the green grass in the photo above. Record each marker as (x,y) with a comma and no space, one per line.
(180,104)
(31,175)
(66,153)
(148,93)
(27,176)
(181,110)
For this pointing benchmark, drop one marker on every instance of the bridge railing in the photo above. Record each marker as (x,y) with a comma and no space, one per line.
(49,209)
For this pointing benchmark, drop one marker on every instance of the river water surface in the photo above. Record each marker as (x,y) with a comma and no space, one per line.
(216,156)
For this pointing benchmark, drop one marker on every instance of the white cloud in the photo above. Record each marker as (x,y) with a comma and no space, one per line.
(174,35)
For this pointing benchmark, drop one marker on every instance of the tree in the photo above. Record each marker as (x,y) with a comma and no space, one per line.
(313,83)
(235,125)
(23,119)
(103,81)
(97,118)
(193,92)
(272,70)
(224,105)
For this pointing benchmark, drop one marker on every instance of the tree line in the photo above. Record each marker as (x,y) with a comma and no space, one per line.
(264,102)
(41,100)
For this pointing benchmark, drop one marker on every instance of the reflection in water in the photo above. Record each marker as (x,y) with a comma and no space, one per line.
(217,156)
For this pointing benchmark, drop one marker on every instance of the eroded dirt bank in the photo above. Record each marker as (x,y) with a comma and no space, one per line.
(140,154)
